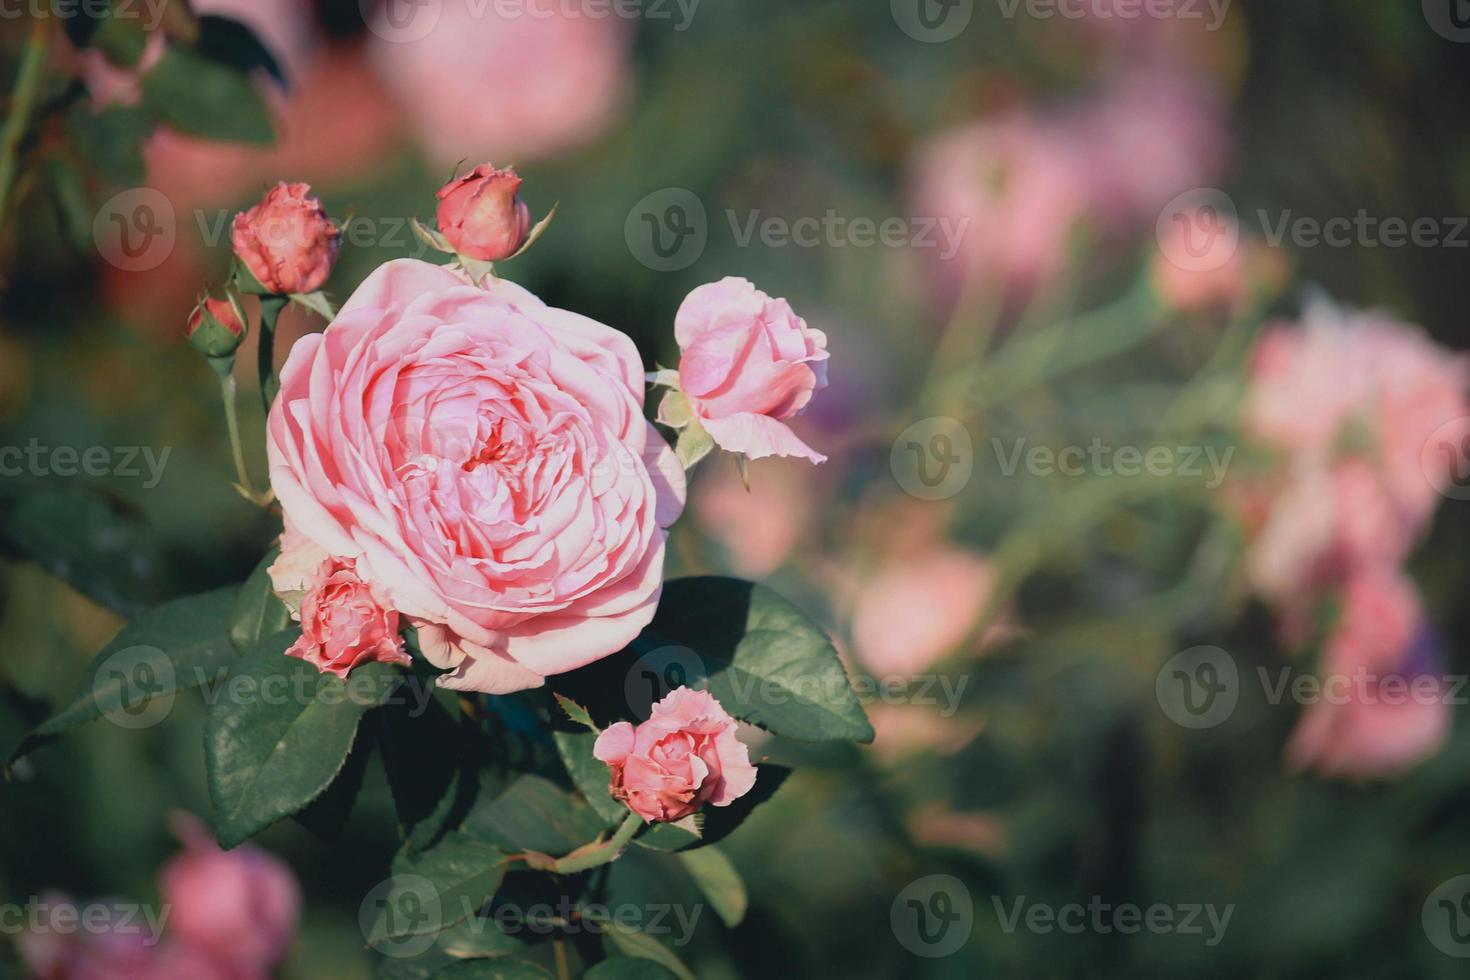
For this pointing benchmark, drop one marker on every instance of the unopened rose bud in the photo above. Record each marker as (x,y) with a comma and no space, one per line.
(482,216)
(217,326)
(287,242)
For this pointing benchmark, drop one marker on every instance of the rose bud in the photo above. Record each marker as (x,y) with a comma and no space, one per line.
(287,242)
(685,755)
(482,216)
(217,326)
(343,624)
(748,363)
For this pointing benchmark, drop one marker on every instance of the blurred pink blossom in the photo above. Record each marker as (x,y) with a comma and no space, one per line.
(758,527)
(919,608)
(513,86)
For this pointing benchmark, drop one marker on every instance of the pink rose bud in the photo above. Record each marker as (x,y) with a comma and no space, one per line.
(748,363)
(216,327)
(482,216)
(343,625)
(685,755)
(287,241)
(239,907)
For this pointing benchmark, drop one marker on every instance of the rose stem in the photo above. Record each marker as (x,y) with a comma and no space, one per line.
(27,85)
(270,311)
(603,854)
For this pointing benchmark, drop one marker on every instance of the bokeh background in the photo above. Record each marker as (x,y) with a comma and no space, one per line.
(1032,757)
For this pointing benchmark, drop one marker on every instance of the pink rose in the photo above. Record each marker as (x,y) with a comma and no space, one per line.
(482,215)
(287,241)
(239,907)
(477,81)
(685,755)
(1383,707)
(747,363)
(343,625)
(920,608)
(484,460)
(761,525)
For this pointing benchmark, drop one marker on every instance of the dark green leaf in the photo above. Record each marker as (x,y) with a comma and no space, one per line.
(492,970)
(235,45)
(628,941)
(629,968)
(112,141)
(719,881)
(202,98)
(767,663)
(174,647)
(534,814)
(441,887)
(589,774)
(576,712)
(327,815)
(258,613)
(279,733)
(417,734)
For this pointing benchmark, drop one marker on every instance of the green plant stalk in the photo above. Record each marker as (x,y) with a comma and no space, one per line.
(270,312)
(27,87)
(599,856)
(224,368)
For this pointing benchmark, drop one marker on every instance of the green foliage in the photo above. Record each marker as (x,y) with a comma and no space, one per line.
(719,881)
(443,886)
(258,614)
(204,98)
(626,941)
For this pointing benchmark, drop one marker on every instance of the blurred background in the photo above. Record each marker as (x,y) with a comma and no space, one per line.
(1021,224)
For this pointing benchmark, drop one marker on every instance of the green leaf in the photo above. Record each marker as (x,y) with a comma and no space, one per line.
(589,774)
(694,444)
(327,815)
(111,141)
(93,541)
(719,881)
(534,814)
(174,647)
(279,733)
(716,822)
(443,886)
(492,970)
(628,941)
(258,614)
(576,712)
(629,968)
(234,45)
(202,98)
(766,662)
(477,939)
(421,773)
(317,303)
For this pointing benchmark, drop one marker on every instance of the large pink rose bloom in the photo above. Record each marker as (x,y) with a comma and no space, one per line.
(240,907)
(1384,707)
(685,755)
(516,85)
(748,363)
(484,460)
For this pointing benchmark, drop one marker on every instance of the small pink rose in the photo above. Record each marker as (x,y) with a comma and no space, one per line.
(344,625)
(224,312)
(685,755)
(482,215)
(287,241)
(238,907)
(748,363)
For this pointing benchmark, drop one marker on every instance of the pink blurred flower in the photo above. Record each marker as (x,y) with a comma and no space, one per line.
(919,608)
(343,625)
(685,755)
(747,364)
(760,526)
(486,82)
(240,908)
(1383,708)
